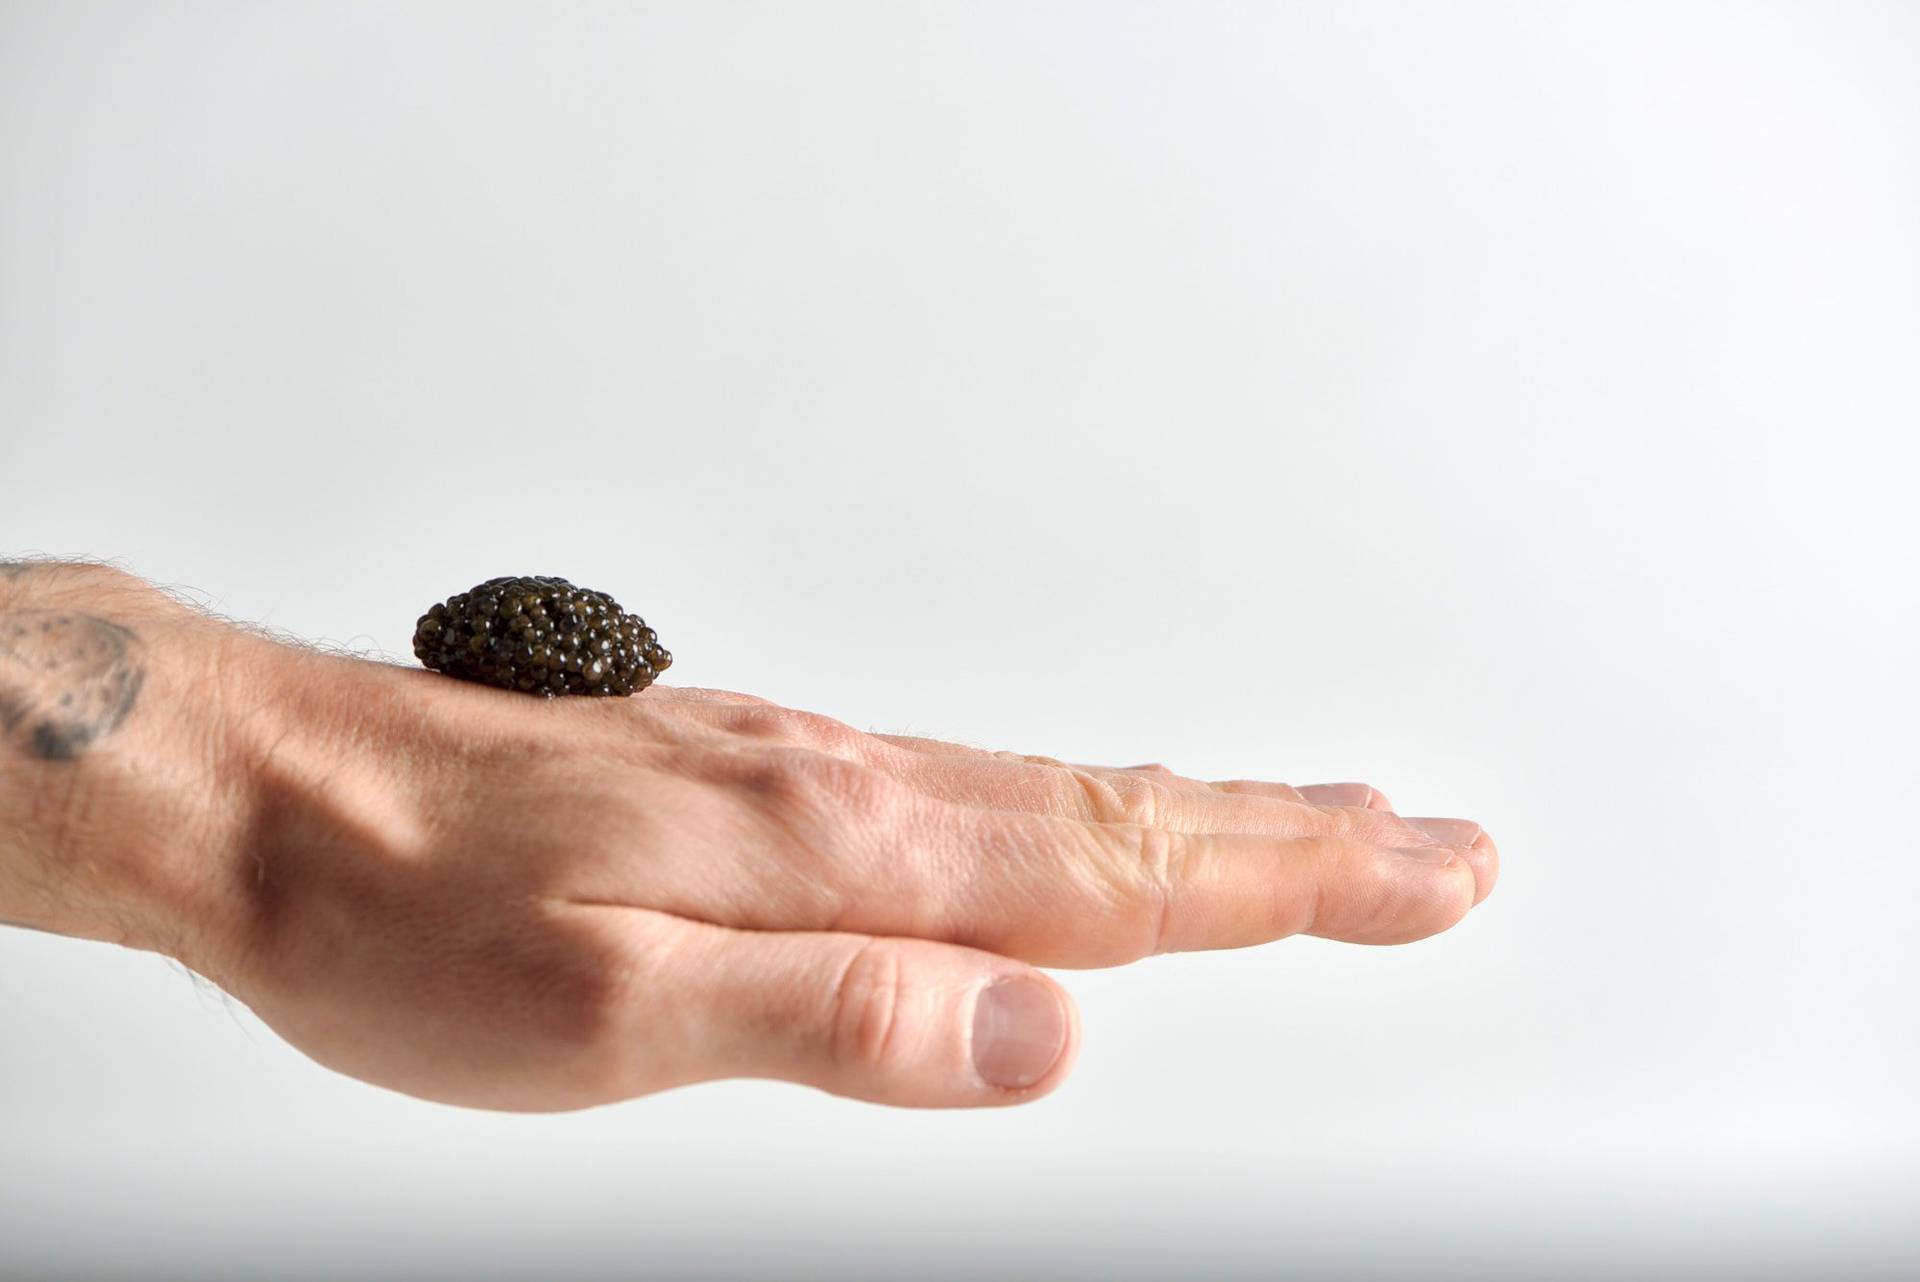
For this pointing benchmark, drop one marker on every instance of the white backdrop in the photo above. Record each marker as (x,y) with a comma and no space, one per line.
(1513,406)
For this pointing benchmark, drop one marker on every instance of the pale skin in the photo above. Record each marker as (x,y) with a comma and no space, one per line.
(502,901)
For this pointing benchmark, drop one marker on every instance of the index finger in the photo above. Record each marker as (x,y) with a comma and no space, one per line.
(1055,891)
(844,846)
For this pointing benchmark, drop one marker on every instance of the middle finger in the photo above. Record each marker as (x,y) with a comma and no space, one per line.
(1029,781)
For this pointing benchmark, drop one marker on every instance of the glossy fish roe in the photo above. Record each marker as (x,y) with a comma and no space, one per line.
(541,635)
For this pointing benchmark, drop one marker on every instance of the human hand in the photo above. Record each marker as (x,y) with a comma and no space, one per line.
(487,899)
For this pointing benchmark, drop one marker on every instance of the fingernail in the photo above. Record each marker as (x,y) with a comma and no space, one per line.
(1426,854)
(1018,1031)
(1455,832)
(1336,794)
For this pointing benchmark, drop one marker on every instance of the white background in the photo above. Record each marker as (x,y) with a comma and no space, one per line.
(1513,406)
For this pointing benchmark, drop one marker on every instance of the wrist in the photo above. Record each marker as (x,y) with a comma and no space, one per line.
(121,808)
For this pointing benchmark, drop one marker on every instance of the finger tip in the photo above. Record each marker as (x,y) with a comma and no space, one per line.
(1453,898)
(1009,1086)
(1484,857)
(1347,793)
(1420,891)
(1069,1051)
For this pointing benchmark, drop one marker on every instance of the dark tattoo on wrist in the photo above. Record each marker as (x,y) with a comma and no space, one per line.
(66,680)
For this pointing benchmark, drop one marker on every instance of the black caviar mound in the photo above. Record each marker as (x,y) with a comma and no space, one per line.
(542,635)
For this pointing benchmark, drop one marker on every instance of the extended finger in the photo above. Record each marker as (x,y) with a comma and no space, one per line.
(832,844)
(1473,842)
(1044,785)
(1325,794)
(1057,892)
(1150,794)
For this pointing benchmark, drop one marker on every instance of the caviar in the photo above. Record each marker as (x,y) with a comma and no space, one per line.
(541,635)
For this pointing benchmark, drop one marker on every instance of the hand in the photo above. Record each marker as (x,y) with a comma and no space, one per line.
(488,899)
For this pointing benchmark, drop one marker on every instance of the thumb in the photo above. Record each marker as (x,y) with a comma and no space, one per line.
(891,1020)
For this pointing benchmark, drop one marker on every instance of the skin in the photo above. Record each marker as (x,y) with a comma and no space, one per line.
(492,900)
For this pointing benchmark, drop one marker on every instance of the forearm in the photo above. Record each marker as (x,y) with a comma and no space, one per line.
(121,805)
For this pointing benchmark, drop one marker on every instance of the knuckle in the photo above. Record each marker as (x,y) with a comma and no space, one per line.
(1347,821)
(799,779)
(759,721)
(773,723)
(588,988)
(867,1001)
(849,788)
(1148,801)
(1137,897)
(736,696)
(1026,758)
(1121,797)
(710,694)
(581,984)
(829,734)
(1160,859)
